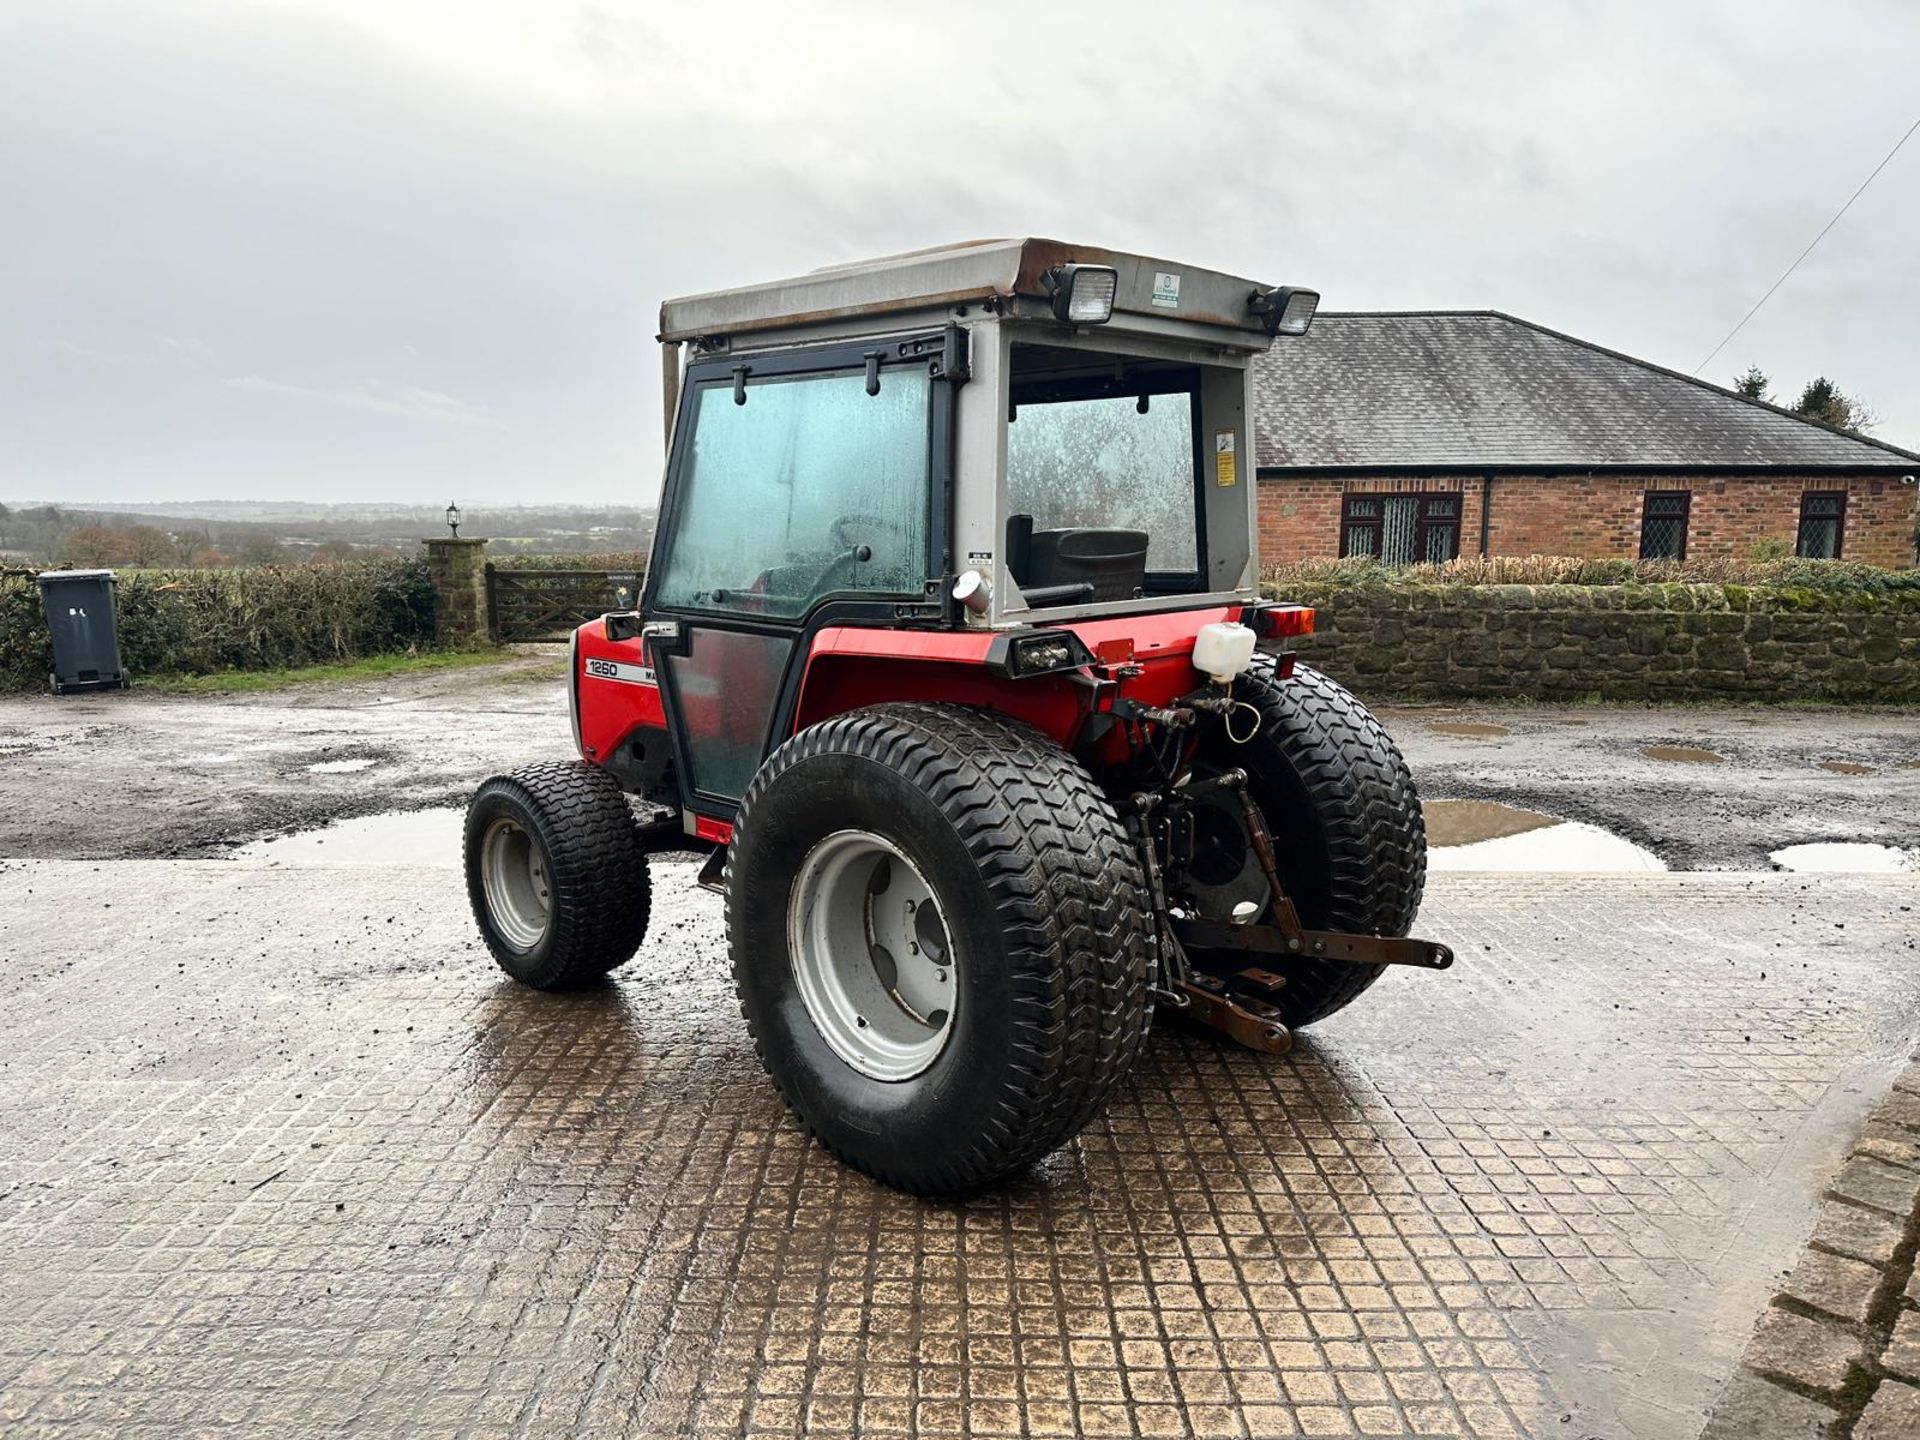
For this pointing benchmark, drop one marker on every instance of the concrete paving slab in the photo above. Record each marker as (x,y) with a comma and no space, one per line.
(281,1151)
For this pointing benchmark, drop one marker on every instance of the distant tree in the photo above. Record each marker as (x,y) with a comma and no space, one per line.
(1826,402)
(149,546)
(139,546)
(1754,384)
(96,545)
(258,549)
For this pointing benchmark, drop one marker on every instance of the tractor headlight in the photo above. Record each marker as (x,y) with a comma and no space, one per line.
(1286,309)
(1039,652)
(1082,294)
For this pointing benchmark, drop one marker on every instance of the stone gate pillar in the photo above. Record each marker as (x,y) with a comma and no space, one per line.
(458,568)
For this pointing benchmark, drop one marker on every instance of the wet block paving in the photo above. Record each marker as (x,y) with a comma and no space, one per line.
(281,1153)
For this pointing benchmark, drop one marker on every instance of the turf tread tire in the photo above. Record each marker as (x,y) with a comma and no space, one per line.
(1351,836)
(602,893)
(1064,884)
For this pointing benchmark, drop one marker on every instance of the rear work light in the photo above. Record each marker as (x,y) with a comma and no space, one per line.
(1041,652)
(1274,622)
(1285,309)
(1082,294)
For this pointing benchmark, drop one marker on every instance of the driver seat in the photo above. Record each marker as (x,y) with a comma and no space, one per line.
(1086,562)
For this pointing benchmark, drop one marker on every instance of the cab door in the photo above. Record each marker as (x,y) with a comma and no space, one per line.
(800,487)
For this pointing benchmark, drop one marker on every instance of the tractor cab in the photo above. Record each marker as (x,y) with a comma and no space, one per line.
(1002,454)
(1069,425)
(949,654)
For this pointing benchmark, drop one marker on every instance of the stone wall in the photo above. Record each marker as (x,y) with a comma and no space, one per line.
(1618,642)
(1597,516)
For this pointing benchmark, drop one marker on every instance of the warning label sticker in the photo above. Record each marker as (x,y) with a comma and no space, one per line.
(1166,290)
(1225,471)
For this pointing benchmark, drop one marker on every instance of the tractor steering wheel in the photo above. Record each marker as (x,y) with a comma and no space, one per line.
(838,530)
(840,571)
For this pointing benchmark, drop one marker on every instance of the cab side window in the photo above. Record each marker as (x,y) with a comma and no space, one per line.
(811,488)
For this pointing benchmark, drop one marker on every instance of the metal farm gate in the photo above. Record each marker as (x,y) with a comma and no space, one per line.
(540,605)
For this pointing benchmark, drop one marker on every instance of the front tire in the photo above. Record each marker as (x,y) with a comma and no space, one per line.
(556,874)
(936,1078)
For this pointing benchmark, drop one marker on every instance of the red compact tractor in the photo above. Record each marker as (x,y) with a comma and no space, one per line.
(949,653)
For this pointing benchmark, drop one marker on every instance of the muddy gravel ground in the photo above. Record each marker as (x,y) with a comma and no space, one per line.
(146,774)
(1703,788)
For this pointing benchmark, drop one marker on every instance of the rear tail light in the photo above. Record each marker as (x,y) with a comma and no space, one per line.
(1274,622)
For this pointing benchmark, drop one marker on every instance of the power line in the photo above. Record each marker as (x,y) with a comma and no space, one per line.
(1661,408)
(1810,248)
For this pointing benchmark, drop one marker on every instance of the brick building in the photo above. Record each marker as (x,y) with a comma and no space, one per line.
(1431,435)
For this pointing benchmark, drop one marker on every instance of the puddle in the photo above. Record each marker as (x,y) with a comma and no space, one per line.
(1468,728)
(1567,846)
(1685,754)
(1466,822)
(412,837)
(1856,857)
(1486,835)
(342,767)
(1846,767)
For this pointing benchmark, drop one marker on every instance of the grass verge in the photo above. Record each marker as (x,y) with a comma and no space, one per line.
(374,667)
(545,673)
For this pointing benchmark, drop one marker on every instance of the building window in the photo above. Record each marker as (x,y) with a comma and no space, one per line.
(1663,525)
(1401,529)
(1823,524)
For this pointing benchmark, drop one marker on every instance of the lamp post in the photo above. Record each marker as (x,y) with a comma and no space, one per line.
(453,519)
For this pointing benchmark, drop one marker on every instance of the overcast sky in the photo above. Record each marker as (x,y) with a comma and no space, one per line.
(413,249)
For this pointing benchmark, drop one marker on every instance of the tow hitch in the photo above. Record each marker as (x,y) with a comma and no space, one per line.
(1240,1004)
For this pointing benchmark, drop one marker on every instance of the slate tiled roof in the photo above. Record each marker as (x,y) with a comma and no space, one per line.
(1482,388)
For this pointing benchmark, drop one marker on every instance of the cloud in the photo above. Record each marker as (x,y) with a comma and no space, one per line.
(408,400)
(481,202)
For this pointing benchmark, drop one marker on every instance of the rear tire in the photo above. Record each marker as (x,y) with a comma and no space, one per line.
(1039,898)
(1348,833)
(556,874)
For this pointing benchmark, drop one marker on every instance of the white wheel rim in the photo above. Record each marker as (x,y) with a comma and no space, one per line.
(513,871)
(872,955)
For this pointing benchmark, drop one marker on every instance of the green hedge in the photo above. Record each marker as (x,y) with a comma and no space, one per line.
(618,561)
(1813,583)
(1833,575)
(272,617)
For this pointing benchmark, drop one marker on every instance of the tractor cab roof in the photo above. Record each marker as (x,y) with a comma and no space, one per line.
(1013,277)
